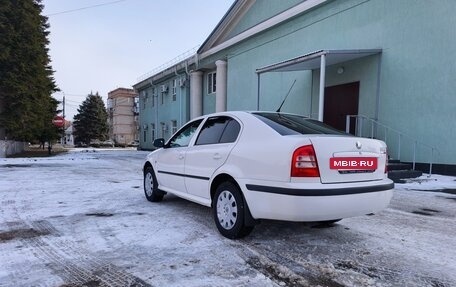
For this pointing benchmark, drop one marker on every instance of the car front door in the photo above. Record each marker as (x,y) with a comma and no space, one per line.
(170,161)
(211,149)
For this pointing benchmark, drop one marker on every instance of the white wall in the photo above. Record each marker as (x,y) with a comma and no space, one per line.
(10,147)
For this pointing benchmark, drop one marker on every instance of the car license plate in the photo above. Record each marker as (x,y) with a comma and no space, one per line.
(354,163)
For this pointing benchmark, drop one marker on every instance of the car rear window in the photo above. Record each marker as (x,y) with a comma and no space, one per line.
(286,124)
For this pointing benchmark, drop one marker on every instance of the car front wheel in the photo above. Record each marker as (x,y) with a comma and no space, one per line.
(229,211)
(151,186)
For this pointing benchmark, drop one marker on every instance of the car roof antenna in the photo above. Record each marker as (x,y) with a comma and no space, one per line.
(278,110)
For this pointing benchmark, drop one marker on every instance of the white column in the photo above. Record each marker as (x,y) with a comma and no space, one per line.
(220,94)
(321,97)
(196,94)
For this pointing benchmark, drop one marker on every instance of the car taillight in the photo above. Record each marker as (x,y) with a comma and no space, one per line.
(304,162)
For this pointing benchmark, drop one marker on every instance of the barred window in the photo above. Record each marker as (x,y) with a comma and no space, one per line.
(211,83)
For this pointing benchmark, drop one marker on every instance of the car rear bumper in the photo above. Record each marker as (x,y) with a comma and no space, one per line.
(316,201)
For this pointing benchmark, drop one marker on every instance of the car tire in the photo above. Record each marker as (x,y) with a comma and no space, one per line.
(325,223)
(229,211)
(151,190)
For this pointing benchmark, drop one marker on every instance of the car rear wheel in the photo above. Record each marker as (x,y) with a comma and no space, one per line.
(326,223)
(329,222)
(229,211)
(150,186)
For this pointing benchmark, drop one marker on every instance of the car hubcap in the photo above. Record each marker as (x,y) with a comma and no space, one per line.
(227,210)
(149,183)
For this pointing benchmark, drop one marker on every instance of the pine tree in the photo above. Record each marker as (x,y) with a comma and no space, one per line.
(91,122)
(26,77)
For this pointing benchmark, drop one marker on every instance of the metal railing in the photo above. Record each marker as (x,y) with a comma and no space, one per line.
(170,63)
(368,127)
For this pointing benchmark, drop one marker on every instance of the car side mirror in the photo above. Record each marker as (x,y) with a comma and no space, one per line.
(158,143)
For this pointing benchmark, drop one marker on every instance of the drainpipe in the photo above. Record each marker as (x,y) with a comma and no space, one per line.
(186,69)
(180,98)
(155,100)
(196,61)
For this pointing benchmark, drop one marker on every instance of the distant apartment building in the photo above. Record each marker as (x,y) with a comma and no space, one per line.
(123,115)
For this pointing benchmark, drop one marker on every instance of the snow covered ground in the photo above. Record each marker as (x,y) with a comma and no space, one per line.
(81,219)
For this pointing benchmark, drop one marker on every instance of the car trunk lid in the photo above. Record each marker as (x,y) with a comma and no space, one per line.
(349,159)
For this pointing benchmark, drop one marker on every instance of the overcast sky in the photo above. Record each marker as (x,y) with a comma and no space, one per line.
(100,45)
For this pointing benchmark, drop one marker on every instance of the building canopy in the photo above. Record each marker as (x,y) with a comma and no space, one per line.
(318,59)
(312,60)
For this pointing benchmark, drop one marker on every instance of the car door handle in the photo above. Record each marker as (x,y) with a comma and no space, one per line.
(181,156)
(217,156)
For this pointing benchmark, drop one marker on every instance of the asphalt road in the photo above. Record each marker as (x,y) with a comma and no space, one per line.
(81,219)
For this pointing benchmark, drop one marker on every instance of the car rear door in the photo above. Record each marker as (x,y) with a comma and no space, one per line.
(211,149)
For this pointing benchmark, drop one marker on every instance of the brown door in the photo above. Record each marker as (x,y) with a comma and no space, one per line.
(340,101)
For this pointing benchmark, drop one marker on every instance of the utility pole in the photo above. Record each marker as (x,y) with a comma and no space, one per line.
(63,140)
(63,112)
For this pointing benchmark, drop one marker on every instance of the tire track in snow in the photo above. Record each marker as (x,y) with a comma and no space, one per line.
(75,265)
(283,270)
(286,267)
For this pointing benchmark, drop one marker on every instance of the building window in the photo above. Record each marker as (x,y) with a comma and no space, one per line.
(211,83)
(110,104)
(145,136)
(144,100)
(174,89)
(153,131)
(163,129)
(136,105)
(173,127)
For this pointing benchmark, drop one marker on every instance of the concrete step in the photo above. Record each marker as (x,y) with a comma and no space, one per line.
(398,175)
(399,166)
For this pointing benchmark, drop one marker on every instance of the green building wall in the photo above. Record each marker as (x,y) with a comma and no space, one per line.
(417,76)
(158,112)
(261,10)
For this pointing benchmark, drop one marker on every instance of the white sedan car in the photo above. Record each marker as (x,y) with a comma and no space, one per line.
(264,165)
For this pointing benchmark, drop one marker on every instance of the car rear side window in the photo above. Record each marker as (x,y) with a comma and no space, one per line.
(286,124)
(218,130)
(231,132)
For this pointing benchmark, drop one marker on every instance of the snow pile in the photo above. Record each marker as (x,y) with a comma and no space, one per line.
(425,182)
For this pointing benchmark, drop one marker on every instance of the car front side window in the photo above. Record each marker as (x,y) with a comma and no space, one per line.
(183,137)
